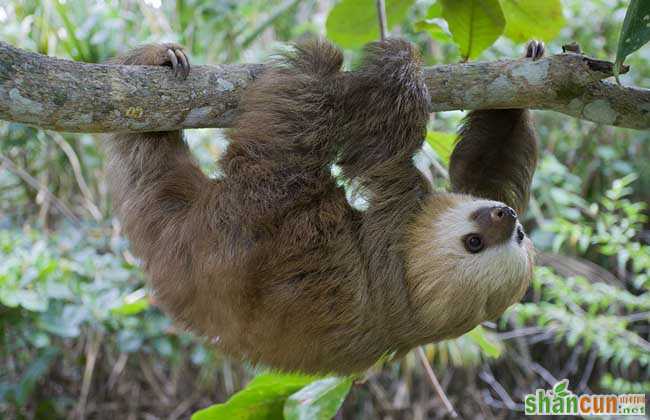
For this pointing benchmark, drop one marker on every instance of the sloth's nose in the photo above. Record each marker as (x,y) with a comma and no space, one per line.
(496,223)
(502,214)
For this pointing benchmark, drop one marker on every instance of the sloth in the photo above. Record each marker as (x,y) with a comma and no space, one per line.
(273,264)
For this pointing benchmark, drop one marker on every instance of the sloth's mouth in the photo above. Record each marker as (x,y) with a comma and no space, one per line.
(520,234)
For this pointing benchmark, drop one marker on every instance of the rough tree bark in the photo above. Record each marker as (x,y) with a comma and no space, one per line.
(64,95)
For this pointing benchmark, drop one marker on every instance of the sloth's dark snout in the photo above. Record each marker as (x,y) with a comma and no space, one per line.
(496,223)
(500,213)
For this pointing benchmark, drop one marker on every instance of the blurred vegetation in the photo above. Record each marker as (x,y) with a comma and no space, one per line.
(80,337)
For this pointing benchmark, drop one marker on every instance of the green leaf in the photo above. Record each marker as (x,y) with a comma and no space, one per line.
(133,303)
(28,299)
(527,20)
(263,398)
(64,324)
(434,25)
(474,24)
(442,143)
(434,28)
(131,308)
(435,11)
(353,23)
(635,31)
(318,400)
(479,336)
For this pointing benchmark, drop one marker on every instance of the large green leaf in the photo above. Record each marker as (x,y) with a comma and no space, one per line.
(532,19)
(263,398)
(474,24)
(635,31)
(434,24)
(353,23)
(318,400)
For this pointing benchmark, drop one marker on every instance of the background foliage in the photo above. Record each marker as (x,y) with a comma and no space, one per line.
(80,337)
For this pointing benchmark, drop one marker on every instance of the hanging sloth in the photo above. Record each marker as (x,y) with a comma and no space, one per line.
(274,264)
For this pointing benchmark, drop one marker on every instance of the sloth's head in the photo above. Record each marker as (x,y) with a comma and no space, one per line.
(469,260)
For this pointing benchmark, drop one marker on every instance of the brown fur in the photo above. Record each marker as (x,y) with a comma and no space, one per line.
(271,261)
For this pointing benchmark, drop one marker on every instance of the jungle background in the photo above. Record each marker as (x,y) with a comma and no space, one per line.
(81,338)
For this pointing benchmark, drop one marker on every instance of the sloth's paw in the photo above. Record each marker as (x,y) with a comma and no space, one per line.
(534,49)
(177,59)
(166,54)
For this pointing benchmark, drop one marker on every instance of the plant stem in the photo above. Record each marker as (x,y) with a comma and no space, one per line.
(435,383)
(381,15)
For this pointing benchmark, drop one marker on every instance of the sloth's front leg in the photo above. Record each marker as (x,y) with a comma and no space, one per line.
(496,154)
(157,187)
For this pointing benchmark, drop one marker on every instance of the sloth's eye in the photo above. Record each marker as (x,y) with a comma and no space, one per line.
(473,243)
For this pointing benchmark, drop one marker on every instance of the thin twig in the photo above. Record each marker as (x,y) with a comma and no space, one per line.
(381,15)
(640,316)
(487,377)
(435,383)
(183,407)
(92,349)
(571,366)
(401,399)
(589,368)
(152,380)
(32,182)
(544,373)
(78,175)
(521,332)
(640,341)
(268,22)
(117,370)
(380,395)
(44,179)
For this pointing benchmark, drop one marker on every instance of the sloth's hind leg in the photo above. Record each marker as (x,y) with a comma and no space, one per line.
(283,142)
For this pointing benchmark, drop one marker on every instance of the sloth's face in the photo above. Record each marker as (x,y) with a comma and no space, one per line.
(470,260)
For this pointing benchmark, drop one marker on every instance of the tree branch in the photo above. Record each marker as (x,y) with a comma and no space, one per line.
(64,95)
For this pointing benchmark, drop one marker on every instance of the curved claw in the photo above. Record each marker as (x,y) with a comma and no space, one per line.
(173,60)
(184,63)
(535,49)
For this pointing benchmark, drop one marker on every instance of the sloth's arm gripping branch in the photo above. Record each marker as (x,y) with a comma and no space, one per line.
(496,154)
(157,186)
(495,157)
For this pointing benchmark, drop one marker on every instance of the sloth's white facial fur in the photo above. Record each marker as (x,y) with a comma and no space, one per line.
(452,288)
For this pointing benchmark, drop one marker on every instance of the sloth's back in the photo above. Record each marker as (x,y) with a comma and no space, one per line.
(259,286)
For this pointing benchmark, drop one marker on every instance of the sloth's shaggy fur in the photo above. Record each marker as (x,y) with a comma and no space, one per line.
(273,263)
